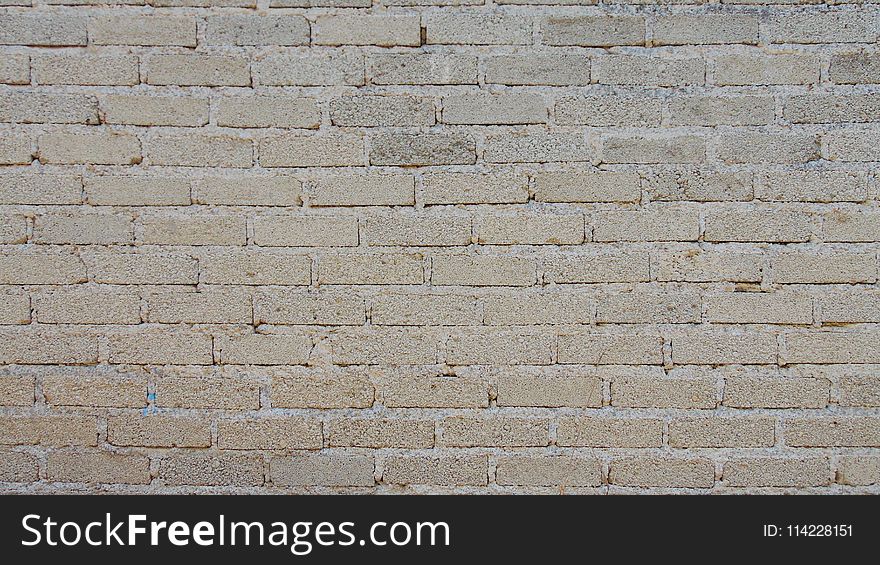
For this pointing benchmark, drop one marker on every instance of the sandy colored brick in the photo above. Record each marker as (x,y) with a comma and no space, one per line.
(489,109)
(549,391)
(851,227)
(36,107)
(819,108)
(437,391)
(42,29)
(821,27)
(447,470)
(13,228)
(531,229)
(143,30)
(858,470)
(777,472)
(759,308)
(340,470)
(662,472)
(295,150)
(381,346)
(340,67)
(411,150)
(534,309)
(112,266)
(477,29)
(344,390)
(722,432)
(824,268)
(775,392)
(609,111)
(660,223)
(257,29)
(255,268)
(703,29)
(495,347)
(197,70)
(858,306)
(98,467)
(464,431)
(46,347)
(716,347)
(210,306)
(638,70)
(610,349)
(425,310)
(379,433)
(268,111)
(586,186)
(831,347)
(810,186)
(417,230)
(193,230)
(158,431)
(855,68)
(113,148)
(654,392)
(745,69)
(91,391)
(263,349)
(548,471)
(361,189)
(374,269)
(200,151)
(122,190)
(248,190)
(483,270)
(421,68)
(474,188)
(562,69)
(140,110)
(221,469)
(15,309)
(855,431)
(648,307)
(89,70)
(537,147)
(16,148)
(16,391)
(298,308)
(40,266)
(717,110)
(597,267)
(54,431)
(161,347)
(588,431)
(699,186)
(859,390)
(15,69)
(83,229)
(706,266)
(269,434)
(18,467)
(355,29)
(593,31)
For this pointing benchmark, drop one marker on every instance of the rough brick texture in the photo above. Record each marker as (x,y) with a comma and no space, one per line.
(423,246)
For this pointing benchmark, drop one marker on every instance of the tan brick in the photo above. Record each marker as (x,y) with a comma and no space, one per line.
(775,226)
(854,431)
(699,186)
(143,30)
(766,69)
(255,268)
(662,472)
(200,151)
(586,186)
(593,31)
(372,269)
(89,70)
(197,70)
(18,467)
(208,307)
(716,347)
(16,148)
(466,470)
(40,188)
(46,347)
(250,190)
(695,265)
(657,224)
(824,268)
(532,229)
(758,147)
(810,186)
(257,29)
(537,147)
(425,310)
(477,29)
(851,227)
(284,307)
(418,150)
(296,150)
(364,190)
(15,69)
(183,111)
(55,431)
(610,111)
(421,68)
(777,472)
(483,270)
(548,391)
(377,433)
(556,69)
(854,68)
(83,229)
(638,70)
(597,267)
(221,469)
(268,112)
(861,306)
(494,346)
(774,392)
(759,308)
(418,230)
(39,266)
(610,349)
(118,190)
(345,390)
(858,470)
(227,393)
(489,109)
(684,29)
(92,391)
(465,431)
(589,431)
(42,29)
(718,110)
(193,230)
(649,307)
(548,471)
(818,108)
(113,148)
(98,467)
(434,391)
(263,349)
(14,309)
(158,431)
(270,434)
(384,346)
(111,266)
(382,30)
(859,390)
(821,27)
(474,188)
(324,470)
(340,67)
(161,347)
(722,432)
(531,309)
(832,347)
(652,392)
(16,391)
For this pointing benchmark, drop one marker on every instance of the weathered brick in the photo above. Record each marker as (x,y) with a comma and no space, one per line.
(474,188)
(810,186)
(377,433)
(16,148)
(719,111)
(857,431)
(831,347)
(421,68)
(42,29)
(418,230)
(593,31)
(537,147)
(89,70)
(436,470)
(284,307)
(722,432)
(13,229)
(40,266)
(382,30)
(250,190)
(706,266)
(563,69)
(270,434)
(98,467)
(197,70)
(255,268)
(91,306)
(371,269)
(295,150)
(90,391)
(537,229)
(158,431)
(819,108)
(638,70)
(263,349)
(161,347)
(610,349)
(464,431)
(759,308)
(653,392)
(858,470)
(268,111)
(548,391)
(434,391)
(493,347)
(194,230)
(35,107)
(55,431)
(711,29)
(532,309)
(653,149)
(861,306)
(345,390)
(325,470)
(154,110)
(662,472)
(200,151)
(15,69)
(46,347)
(143,30)
(210,306)
(716,347)
(386,111)
(478,29)
(824,268)
(548,471)
(381,346)
(15,309)
(111,266)
(588,431)
(18,467)
(813,26)
(649,307)
(597,267)
(83,229)
(412,150)
(113,148)
(659,223)
(609,111)
(257,29)
(483,270)
(221,469)
(859,390)
(766,69)
(17,391)
(310,69)
(488,109)
(855,68)
(699,186)
(119,190)
(852,145)
(851,227)
(775,392)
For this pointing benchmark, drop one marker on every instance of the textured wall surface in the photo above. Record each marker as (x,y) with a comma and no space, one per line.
(439,246)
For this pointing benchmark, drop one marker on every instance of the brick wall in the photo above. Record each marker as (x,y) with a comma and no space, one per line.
(439,246)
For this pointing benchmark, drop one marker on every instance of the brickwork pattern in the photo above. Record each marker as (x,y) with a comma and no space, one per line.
(432,246)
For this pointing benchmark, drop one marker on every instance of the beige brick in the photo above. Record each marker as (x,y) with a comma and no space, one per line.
(586,186)
(477,29)
(377,433)
(488,109)
(493,347)
(15,309)
(545,308)
(759,308)
(330,309)
(695,265)
(183,111)
(255,268)
(466,470)
(324,470)
(425,310)
(360,189)
(113,266)
(200,151)
(662,472)
(638,70)
(221,469)
(766,69)
(586,431)
(649,307)
(474,188)
(346,390)
(415,150)
(197,70)
(263,349)
(859,390)
(210,306)
(537,147)
(418,230)
(92,306)
(653,149)
(821,27)
(597,267)
(371,269)
(716,347)
(257,29)
(158,431)
(684,29)
(857,431)
(855,68)
(549,391)
(556,69)
(851,227)
(722,432)
(18,467)
(421,68)
(548,471)
(384,346)
(609,111)
(15,69)
(699,186)
(434,391)
(161,347)
(268,112)
(831,347)
(250,190)
(717,110)
(382,30)
(777,472)
(861,306)
(194,230)
(13,229)
(340,67)
(42,29)
(98,467)
(660,223)
(824,268)
(83,229)
(89,70)
(536,229)
(652,392)
(40,266)
(16,148)
(295,150)
(483,270)
(17,391)
(143,30)
(610,349)
(119,190)
(92,391)
(463,431)
(819,108)
(55,431)
(593,31)
(810,186)
(114,148)
(270,434)
(852,146)
(858,470)
(775,392)
(46,347)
